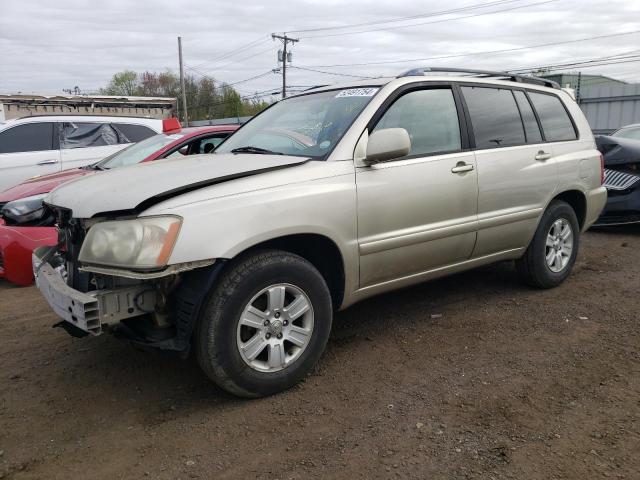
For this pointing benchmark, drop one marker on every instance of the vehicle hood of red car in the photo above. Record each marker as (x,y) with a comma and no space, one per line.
(42,184)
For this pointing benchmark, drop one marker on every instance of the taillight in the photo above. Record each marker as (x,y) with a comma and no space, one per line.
(601,169)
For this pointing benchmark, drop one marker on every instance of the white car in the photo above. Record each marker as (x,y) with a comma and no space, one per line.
(39,145)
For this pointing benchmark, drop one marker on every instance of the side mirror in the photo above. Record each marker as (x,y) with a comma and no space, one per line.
(387,144)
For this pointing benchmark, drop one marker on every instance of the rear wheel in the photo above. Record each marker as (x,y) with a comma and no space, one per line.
(550,256)
(265,324)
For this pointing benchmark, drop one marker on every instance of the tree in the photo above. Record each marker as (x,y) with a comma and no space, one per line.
(205,99)
(123,83)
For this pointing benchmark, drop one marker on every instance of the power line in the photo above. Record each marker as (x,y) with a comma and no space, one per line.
(330,73)
(431,22)
(629,55)
(250,78)
(472,54)
(227,83)
(599,64)
(404,19)
(240,49)
(219,67)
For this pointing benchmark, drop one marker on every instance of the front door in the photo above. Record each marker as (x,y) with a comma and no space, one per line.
(418,212)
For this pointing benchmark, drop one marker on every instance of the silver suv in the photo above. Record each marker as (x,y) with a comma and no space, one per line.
(323,200)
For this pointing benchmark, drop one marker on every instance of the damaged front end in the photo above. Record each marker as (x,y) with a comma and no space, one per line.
(152,307)
(622,180)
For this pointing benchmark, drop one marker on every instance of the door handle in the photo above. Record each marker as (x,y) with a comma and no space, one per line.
(48,162)
(462,167)
(542,156)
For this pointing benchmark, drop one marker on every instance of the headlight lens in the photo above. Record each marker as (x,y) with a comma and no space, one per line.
(143,243)
(24,210)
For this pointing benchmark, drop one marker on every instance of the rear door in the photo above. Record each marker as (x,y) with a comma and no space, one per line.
(84,143)
(560,134)
(516,169)
(26,151)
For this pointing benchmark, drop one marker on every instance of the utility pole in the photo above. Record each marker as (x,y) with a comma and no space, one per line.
(285,40)
(184,94)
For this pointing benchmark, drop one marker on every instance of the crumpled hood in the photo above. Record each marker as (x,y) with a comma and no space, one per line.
(42,184)
(139,186)
(618,150)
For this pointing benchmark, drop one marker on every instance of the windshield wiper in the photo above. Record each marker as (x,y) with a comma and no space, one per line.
(258,150)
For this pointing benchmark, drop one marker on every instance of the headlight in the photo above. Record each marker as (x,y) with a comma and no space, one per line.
(143,243)
(24,210)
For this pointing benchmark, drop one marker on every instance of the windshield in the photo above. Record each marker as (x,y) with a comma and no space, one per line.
(138,151)
(633,133)
(307,126)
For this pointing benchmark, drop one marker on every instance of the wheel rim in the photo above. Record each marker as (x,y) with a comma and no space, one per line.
(275,327)
(559,245)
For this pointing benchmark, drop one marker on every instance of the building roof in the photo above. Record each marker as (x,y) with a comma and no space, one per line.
(83,98)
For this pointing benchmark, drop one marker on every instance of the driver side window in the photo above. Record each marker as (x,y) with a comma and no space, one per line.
(429,116)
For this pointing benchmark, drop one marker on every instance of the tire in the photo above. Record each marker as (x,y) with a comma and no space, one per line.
(534,268)
(224,347)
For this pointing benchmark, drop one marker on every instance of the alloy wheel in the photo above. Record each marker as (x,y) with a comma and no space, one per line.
(275,327)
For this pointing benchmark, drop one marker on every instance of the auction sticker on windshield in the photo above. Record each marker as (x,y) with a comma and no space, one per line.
(357,92)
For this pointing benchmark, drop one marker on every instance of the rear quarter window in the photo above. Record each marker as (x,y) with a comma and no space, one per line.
(556,123)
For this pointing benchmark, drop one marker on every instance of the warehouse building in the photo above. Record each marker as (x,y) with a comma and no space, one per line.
(19,105)
(607,103)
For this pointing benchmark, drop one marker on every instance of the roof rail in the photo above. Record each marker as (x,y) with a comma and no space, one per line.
(513,77)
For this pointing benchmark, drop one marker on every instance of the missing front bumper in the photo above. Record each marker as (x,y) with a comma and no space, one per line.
(90,311)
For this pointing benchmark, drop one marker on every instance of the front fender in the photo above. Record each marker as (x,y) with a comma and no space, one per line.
(225,226)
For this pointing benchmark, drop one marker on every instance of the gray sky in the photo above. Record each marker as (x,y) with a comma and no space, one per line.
(47,45)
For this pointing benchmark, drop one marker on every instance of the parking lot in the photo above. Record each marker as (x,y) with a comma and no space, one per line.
(473,376)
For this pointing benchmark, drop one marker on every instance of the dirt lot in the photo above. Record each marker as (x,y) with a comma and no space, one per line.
(473,376)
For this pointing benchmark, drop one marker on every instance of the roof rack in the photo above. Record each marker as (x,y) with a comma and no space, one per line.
(513,77)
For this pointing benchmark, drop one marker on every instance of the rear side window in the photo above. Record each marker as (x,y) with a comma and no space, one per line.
(84,135)
(31,137)
(129,133)
(494,116)
(531,127)
(554,118)
(429,116)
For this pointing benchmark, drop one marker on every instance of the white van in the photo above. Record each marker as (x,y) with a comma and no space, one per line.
(39,145)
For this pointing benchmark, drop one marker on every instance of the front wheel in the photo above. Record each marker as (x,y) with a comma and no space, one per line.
(265,324)
(550,256)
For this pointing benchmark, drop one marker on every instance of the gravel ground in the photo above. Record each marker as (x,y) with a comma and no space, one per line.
(474,376)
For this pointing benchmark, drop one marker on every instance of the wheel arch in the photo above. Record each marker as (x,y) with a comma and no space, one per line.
(577,200)
(321,251)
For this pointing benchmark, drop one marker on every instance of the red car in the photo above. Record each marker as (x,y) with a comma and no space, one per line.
(24,225)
